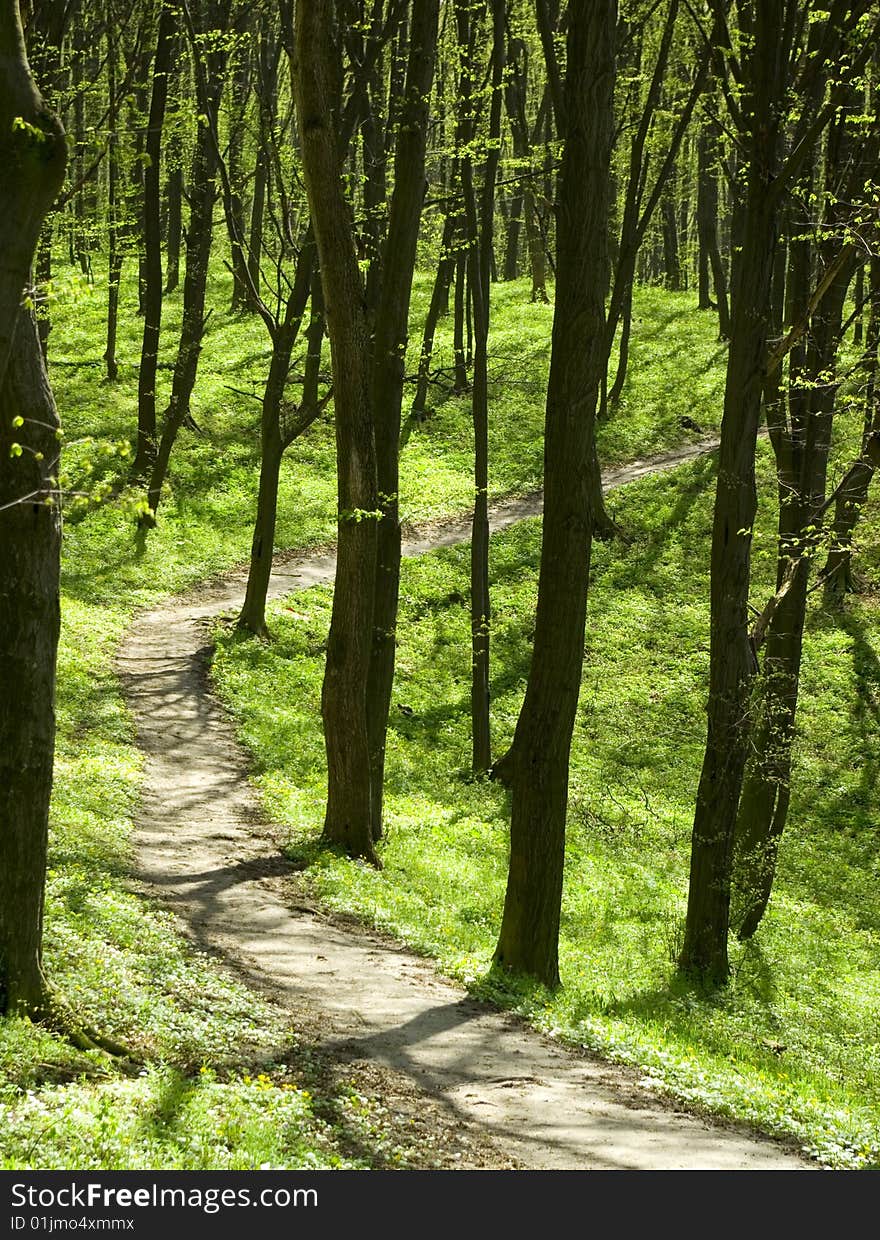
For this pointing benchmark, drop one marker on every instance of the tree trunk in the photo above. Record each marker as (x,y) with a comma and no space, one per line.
(114,258)
(731,659)
(174,199)
(837,573)
(439,299)
(461,382)
(802,449)
(671,259)
(152,271)
(272,441)
(389,357)
(199,239)
(479,230)
(240,89)
(33,155)
(511,244)
(537,764)
(348,819)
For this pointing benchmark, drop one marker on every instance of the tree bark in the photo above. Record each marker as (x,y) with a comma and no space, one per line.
(348,819)
(802,446)
(389,358)
(114,209)
(731,659)
(536,766)
(439,300)
(837,572)
(145,453)
(33,155)
(199,239)
(273,442)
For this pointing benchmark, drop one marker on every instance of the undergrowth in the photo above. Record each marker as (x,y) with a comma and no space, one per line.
(226,1081)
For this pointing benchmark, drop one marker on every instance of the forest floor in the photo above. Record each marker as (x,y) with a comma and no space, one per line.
(481,1088)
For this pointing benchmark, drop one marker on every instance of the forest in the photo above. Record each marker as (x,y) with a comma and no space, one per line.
(439,584)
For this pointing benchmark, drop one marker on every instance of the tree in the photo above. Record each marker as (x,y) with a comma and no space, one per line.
(152,266)
(769,63)
(367,323)
(536,766)
(33,154)
(801,430)
(348,819)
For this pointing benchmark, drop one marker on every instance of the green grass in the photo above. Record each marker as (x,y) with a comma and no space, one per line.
(790,1045)
(227,1082)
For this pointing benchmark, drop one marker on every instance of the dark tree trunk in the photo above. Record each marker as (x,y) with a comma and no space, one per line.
(626,314)
(34,161)
(114,258)
(853,495)
(732,661)
(802,446)
(461,382)
(536,767)
(671,260)
(710,261)
(273,439)
(859,297)
(77,55)
(439,300)
(389,357)
(348,820)
(511,243)
(174,199)
(707,216)
(152,293)
(240,89)
(480,225)
(199,238)
(268,78)
(515,94)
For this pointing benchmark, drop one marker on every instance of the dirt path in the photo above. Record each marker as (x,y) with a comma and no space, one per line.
(205,849)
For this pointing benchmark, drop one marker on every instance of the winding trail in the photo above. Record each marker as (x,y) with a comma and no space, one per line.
(206,850)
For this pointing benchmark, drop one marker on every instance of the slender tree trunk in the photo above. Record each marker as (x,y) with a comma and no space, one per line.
(536,766)
(802,449)
(389,358)
(34,159)
(511,244)
(710,261)
(152,293)
(199,240)
(439,299)
(859,297)
(461,383)
(272,439)
(240,83)
(731,659)
(480,231)
(174,199)
(268,111)
(114,259)
(837,573)
(671,259)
